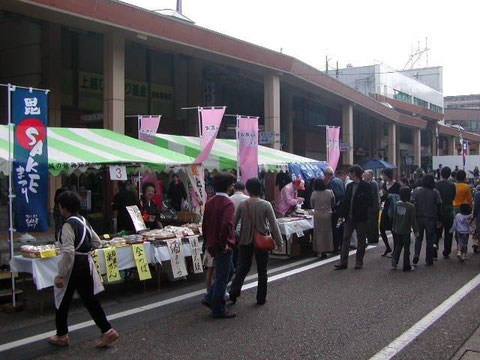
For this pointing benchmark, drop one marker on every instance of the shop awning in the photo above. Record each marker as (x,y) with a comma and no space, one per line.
(224,153)
(72,149)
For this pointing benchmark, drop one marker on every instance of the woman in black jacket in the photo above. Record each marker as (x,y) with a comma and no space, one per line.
(389,187)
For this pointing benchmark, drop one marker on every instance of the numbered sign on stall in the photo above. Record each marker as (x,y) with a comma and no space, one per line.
(118,172)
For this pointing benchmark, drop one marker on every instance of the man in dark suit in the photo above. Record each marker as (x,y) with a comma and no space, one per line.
(218,234)
(354,212)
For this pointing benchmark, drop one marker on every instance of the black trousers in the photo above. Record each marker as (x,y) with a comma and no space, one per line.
(403,243)
(245,255)
(447,221)
(372,232)
(337,233)
(386,224)
(350,226)
(82,281)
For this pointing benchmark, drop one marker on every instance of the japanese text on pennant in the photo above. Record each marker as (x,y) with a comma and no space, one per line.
(247,133)
(141,262)
(196,251)
(30,167)
(111,264)
(177,259)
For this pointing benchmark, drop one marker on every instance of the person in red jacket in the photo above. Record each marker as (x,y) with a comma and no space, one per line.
(218,234)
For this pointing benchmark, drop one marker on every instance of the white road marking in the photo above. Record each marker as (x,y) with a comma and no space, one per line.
(121,314)
(408,336)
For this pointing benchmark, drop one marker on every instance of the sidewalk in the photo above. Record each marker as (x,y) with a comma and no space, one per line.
(471,349)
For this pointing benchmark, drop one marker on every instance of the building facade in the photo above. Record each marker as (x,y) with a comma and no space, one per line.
(106,61)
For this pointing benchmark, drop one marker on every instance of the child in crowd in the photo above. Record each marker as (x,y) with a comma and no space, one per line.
(403,221)
(461,226)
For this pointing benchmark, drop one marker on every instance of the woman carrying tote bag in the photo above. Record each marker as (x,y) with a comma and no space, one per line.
(254,214)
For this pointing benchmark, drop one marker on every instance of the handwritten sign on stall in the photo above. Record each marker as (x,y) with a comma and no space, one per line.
(111,264)
(136,217)
(141,262)
(196,251)
(97,263)
(177,259)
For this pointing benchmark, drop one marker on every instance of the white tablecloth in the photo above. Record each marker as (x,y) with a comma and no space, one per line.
(292,227)
(44,270)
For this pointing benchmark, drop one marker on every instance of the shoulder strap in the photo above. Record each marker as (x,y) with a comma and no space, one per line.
(86,228)
(250,215)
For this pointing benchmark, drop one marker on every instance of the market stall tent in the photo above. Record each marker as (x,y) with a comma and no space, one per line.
(71,149)
(224,154)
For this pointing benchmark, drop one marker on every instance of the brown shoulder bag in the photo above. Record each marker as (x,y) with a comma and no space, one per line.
(261,242)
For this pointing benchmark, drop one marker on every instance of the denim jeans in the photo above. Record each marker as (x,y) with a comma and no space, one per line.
(245,254)
(427,226)
(215,295)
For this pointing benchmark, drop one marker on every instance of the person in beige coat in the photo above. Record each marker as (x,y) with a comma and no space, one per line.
(322,201)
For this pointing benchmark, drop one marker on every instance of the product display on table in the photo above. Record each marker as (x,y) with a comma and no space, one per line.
(40,251)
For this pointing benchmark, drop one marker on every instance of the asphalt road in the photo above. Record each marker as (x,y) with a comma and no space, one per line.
(315,314)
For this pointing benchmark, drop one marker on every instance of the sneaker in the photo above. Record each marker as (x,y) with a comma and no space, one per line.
(107,338)
(394,266)
(59,340)
(459,255)
(435,252)
(415,260)
(409,269)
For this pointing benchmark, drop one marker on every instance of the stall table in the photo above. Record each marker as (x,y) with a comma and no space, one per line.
(291,228)
(44,270)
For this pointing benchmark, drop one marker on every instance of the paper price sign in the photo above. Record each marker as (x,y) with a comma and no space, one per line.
(113,274)
(141,262)
(118,172)
(97,263)
(196,250)
(298,231)
(48,253)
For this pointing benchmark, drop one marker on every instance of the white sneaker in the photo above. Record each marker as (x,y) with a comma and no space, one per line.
(226,296)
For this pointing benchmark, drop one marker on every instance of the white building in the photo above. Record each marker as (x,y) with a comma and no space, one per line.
(421,87)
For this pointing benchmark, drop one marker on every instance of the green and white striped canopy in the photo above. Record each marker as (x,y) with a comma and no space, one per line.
(224,153)
(71,149)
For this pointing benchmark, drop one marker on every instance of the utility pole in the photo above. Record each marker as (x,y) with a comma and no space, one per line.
(336,71)
(326,63)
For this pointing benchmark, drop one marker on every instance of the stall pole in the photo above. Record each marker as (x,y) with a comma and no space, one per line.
(238,148)
(11,196)
(326,144)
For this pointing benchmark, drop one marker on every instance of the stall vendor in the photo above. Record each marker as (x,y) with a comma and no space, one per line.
(176,193)
(288,199)
(77,272)
(148,208)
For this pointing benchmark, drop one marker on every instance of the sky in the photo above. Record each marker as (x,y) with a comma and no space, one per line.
(357,32)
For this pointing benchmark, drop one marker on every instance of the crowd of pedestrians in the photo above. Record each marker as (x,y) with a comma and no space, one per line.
(346,205)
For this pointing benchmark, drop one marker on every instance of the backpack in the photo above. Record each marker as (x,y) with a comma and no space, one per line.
(393,199)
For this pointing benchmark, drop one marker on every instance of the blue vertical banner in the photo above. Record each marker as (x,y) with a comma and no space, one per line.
(30,165)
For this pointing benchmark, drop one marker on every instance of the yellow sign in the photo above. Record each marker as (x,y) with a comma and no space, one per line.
(48,253)
(97,264)
(111,264)
(141,261)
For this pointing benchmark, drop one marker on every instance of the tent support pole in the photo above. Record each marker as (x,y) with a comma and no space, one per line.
(10,192)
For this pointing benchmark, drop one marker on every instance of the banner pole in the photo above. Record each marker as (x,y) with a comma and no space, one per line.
(238,149)
(326,143)
(10,192)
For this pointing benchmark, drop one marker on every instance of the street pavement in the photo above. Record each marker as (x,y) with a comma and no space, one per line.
(318,313)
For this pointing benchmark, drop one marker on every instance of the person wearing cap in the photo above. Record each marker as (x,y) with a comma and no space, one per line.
(418,174)
(288,199)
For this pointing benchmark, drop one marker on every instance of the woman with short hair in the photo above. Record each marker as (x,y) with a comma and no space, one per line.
(322,200)
(77,272)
